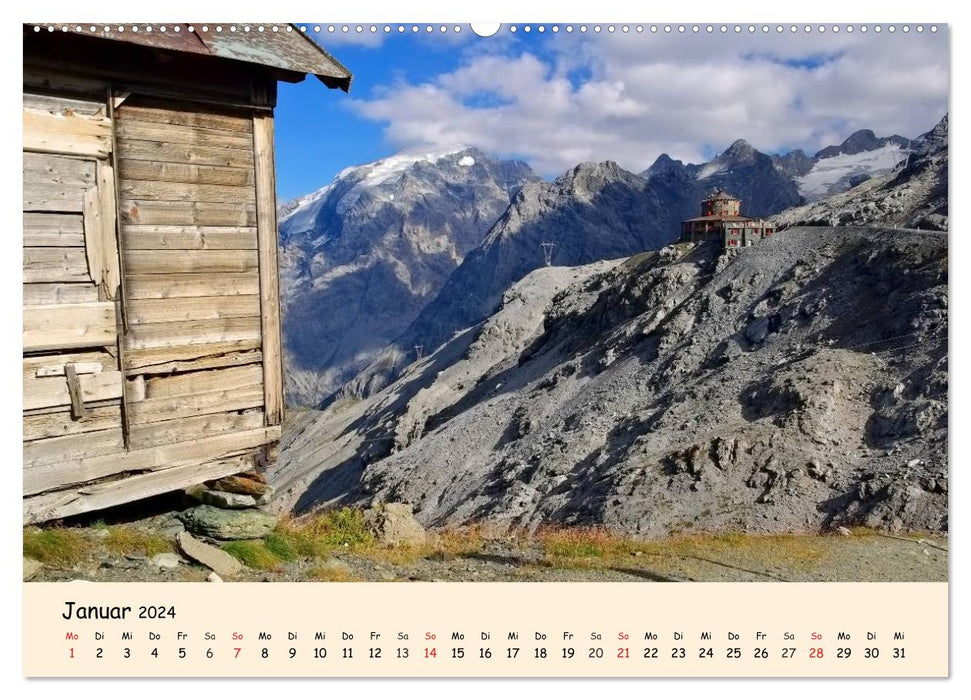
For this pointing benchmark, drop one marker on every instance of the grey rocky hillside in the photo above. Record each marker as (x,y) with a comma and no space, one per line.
(797,385)
(913,196)
(363,255)
(596,211)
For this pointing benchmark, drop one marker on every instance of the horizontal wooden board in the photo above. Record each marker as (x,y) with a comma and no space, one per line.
(181,192)
(189,116)
(191,285)
(53,197)
(167,262)
(47,392)
(56,104)
(78,446)
(53,230)
(143,211)
(162,152)
(47,169)
(163,335)
(38,479)
(132,130)
(63,326)
(184,173)
(183,429)
(35,363)
(42,78)
(192,308)
(63,504)
(192,357)
(56,293)
(55,265)
(205,381)
(188,237)
(66,133)
(61,423)
(61,370)
(166,408)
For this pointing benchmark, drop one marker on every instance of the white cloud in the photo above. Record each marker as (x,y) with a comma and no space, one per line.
(640,95)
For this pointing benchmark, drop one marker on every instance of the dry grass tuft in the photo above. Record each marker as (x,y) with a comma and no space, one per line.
(332,573)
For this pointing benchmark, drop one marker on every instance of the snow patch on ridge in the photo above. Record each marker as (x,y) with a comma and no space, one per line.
(827,174)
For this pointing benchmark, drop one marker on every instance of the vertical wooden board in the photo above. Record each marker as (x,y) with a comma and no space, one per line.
(267,242)
(110,263)
(92,235)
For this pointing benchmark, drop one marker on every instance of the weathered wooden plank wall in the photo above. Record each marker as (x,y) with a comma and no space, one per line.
(194,227)
(189,239)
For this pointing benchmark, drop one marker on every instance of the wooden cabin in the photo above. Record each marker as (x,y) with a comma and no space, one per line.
(151,316)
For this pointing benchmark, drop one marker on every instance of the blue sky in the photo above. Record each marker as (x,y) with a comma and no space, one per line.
(557,99)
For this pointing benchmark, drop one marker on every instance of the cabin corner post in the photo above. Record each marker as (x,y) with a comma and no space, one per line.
(267,242)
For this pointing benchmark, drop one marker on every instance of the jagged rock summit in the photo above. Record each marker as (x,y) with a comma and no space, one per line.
(363,255)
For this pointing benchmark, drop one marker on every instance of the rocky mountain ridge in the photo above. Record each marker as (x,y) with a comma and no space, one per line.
(914,196)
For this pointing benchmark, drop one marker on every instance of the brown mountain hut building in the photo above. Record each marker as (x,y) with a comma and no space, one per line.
(721,220)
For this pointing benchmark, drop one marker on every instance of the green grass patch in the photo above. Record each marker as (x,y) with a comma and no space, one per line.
(341,528)
(123,540)
(56,546)
(254,554)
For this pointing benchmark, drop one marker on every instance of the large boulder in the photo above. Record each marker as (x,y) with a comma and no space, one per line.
(221,524)
(393,524)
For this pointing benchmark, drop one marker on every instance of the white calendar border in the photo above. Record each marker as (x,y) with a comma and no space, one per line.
(495,10)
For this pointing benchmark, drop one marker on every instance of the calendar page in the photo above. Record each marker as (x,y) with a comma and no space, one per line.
(436,349)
